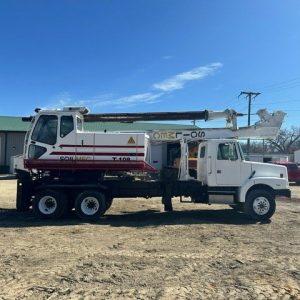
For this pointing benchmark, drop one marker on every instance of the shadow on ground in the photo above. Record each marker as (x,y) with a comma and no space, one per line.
(10,218)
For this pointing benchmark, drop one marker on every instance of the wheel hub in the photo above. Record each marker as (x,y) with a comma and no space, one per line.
(261,205)
(47,205)
(90,205)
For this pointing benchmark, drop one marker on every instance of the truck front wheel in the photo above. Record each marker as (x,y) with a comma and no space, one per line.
(90,205)
(260,205)
(49,204)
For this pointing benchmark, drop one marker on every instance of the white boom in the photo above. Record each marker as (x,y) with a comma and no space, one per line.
(266,128)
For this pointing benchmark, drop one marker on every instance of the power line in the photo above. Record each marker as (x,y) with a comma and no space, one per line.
(278,102)
(280,83)
(292,110)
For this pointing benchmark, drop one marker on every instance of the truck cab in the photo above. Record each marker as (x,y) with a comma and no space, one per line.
(223,169)
(222,163)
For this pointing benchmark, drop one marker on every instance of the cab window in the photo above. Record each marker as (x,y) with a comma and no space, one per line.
(202,152)
(36,151)
(45,130)
(227,151)
(79,124)
(66,125)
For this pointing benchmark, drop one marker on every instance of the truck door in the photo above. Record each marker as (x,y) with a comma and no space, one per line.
(227,165)
(67,138)
(85,143)
(43,138)
(156,156)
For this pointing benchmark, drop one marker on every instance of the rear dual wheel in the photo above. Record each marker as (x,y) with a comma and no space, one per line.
(49,204)
(108,201)
(91,205)
(52,204)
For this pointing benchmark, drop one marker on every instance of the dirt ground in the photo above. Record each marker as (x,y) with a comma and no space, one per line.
(137,251)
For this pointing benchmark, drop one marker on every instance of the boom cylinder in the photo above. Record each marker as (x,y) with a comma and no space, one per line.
(152,116)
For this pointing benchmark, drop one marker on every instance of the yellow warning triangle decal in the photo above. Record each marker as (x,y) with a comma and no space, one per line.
(131,141)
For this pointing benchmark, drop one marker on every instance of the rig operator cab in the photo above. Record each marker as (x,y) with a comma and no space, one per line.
(57,141)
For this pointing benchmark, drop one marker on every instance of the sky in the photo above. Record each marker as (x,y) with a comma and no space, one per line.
(147,56)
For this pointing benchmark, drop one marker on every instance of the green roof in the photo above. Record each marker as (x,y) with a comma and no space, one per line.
(116,126)
(16,124)
(13,124)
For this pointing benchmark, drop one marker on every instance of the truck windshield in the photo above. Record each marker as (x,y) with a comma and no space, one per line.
(45,130)
(79,124)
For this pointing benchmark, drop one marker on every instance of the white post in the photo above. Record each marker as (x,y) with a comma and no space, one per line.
(183,173)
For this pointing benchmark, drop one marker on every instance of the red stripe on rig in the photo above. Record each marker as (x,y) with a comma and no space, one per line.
(97,153)
(46,164)
(98,146)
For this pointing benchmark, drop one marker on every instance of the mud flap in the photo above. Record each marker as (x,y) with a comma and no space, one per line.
(23,195)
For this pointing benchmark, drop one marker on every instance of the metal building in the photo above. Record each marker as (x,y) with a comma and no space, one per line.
(12,134)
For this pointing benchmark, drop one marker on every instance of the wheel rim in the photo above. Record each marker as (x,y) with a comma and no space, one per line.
(47,205)
(89,205)
(261,205)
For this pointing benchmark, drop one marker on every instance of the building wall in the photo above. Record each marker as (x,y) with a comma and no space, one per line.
(2,147)
(13,141)
(15,144)
(297,156)
(164,154)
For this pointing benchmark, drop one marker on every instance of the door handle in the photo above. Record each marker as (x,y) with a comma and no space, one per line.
(219,171)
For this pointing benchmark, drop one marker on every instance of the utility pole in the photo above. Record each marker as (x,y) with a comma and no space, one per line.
(249,95)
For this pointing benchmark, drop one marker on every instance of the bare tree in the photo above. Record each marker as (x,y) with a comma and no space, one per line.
(287,141)
(255,146)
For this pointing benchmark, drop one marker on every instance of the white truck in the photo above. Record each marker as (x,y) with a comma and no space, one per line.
(65,167)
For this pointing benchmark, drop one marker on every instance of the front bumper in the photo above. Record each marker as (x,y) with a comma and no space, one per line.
(283,192)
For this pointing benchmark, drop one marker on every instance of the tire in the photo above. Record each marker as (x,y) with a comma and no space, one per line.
(70,200)
(108,203)
(260,205)
(90,205)
(49,204)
